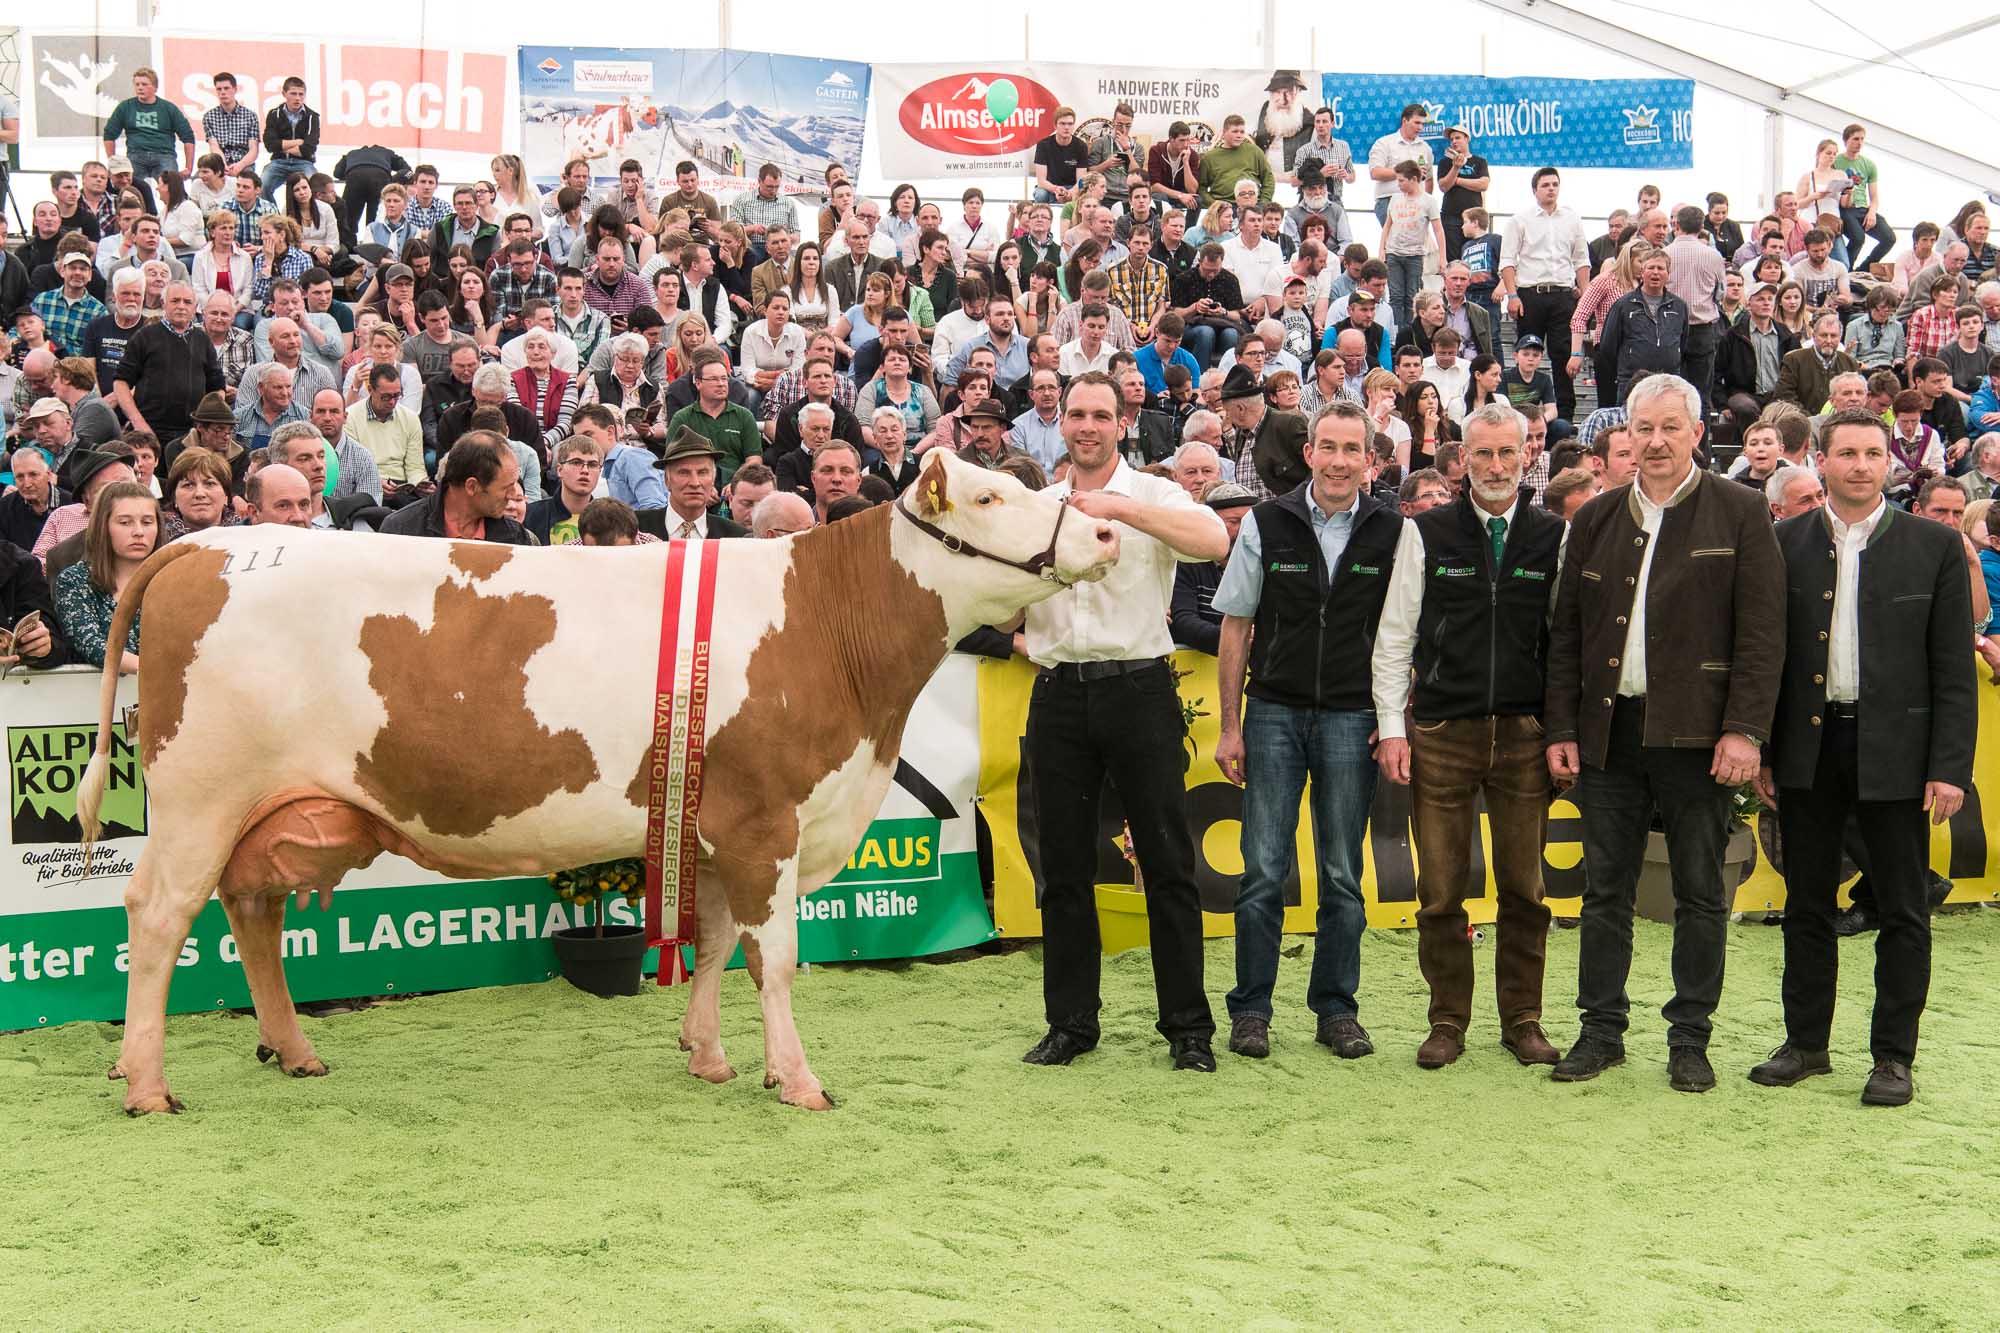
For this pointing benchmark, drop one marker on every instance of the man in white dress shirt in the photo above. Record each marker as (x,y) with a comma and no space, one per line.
(1544,267)
(1105,706)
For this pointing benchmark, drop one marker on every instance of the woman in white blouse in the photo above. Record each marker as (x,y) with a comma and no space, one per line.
(181,224)
(319,231)
(811,299)
(220,266)
(773,345)
(513,194)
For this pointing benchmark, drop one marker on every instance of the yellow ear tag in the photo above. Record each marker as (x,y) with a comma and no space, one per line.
(939,504)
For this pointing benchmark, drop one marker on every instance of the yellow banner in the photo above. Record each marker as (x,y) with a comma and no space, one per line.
(1388,881)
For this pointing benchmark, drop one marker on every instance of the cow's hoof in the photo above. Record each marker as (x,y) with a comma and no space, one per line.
(310,1067)
(770,1080)
(154,1105)
(816,1100)
(264,1054)
(719,1072)
(686,1045)
(116,1072)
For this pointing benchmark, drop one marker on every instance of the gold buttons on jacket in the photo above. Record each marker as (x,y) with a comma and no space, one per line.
(1822,636)
(1815,720)
(1629,582)
(1819,680)
(1621,620)
(1828,596)
(1614,661)
(1638,541)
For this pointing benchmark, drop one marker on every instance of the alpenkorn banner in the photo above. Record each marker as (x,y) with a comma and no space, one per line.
(1634,123)
(1959,850)
(729,112)
(936,120)
(422,102)
(912,887)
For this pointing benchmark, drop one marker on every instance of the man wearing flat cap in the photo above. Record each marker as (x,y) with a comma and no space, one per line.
(1284,120)
(688,466)
(1266,446)
(982,433)
(214,429)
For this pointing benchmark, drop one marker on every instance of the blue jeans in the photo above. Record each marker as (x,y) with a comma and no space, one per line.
(148,166)
(1205,342)
(1283,747)
(1042,196)
(1882,233)
(281,169)
(1382,210)
(1406,279)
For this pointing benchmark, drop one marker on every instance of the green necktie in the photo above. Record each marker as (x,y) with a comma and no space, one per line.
(1496,532)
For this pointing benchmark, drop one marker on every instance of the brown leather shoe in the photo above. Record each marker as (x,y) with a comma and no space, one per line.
(1444,1045)
(1530,1045)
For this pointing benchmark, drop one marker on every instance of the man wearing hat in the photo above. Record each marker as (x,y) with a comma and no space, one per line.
(1316,200)
(982,433)
(213,427)
(1463,176)
(1266,446)
(1191,615)
(47,423)
(68,310)
(1284,120)
(85,475)
(395,299)
(688,465)
(1754,348)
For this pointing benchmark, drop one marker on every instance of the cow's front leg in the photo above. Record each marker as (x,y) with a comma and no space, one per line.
(701,1029)
(777,952)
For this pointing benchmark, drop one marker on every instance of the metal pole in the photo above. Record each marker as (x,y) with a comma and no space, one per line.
(1270,34)
(1774,156)
(722,24)
(1026,23)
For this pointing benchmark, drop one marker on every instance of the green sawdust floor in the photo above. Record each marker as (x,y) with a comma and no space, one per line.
(532,1158)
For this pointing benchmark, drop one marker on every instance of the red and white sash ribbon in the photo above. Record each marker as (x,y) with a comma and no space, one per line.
(673,769)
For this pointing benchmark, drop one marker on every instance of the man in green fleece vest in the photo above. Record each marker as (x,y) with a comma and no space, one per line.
(1233,159)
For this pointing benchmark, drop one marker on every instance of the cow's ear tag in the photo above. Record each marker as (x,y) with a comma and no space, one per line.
(935,499)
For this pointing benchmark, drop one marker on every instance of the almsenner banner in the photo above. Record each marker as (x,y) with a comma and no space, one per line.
(1635,123)
(728,112)
(968,119)
(912,887)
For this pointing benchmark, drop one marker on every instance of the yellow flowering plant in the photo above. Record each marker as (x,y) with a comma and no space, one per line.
(587,886)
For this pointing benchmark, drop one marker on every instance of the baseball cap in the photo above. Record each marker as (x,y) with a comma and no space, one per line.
(397,273)
(1522,344)
(45,407)
(1760,287)
(74,258)
(118,166)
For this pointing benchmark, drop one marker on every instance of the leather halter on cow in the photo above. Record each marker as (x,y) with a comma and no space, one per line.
(464,741)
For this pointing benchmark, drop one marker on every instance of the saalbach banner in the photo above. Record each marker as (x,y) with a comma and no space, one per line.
(971,119)
(1634,123)
(911,888)
(441,105)
(1959,849)
(728,112)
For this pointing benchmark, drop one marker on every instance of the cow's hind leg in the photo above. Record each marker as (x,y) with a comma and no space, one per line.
(701,1029)
(161,902)
(258,921)
(301,841)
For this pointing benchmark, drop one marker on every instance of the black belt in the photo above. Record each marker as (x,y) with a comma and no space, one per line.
(1843,709)
(1087,671)
(1546,288)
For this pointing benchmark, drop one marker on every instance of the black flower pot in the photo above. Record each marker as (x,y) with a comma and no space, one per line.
(605,965)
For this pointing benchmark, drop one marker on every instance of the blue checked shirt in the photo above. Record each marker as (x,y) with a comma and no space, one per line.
(66,320)
(427,216)
(248,221)
(290,264)
(752,210)
(510,293)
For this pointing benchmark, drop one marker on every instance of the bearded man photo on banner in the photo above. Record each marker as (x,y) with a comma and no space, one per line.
(1284,120)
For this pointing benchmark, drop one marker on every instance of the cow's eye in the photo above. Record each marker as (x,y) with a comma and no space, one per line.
(987,498)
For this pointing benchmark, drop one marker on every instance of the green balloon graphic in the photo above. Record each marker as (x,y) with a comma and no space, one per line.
(1001,99)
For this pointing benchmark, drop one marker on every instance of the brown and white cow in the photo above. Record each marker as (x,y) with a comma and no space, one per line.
(309,700)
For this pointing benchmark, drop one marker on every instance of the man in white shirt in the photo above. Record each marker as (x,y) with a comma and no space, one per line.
(1405,145)
(962,325)
(1544,266)
(1105,707)
(688,469)
(1089,351)
(1254,260)
(1444,368)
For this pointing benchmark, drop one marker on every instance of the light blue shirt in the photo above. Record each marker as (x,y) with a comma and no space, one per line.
(1006,369)
(1039,439)
(1148,358)
(1242,585)
(630,476)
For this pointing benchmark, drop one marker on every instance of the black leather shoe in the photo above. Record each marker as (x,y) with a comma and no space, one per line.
(1192,1053)
(1346,1035)
(1688,1069)
(1587,1059)
(1937,890)
(1250,1035)
(1855,921)
(1889,1085)
(1789,1065)
(1058,1048)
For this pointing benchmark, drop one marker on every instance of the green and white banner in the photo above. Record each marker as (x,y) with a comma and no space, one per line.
(911,888)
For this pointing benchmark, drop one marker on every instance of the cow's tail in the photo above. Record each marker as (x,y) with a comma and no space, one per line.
(90,792)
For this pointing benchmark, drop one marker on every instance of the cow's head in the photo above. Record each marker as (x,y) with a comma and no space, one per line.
(989,546)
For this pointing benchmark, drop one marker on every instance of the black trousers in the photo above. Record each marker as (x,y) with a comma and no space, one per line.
(1454,236)
(1126,728)
(1617,802)
(1898,842)
(1698,350)
(361,193)
(1545,313)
